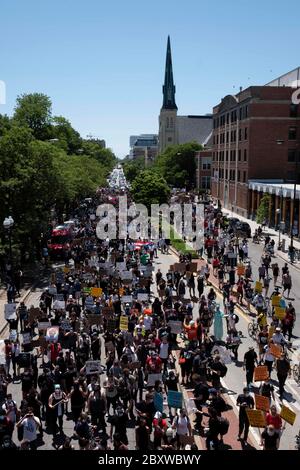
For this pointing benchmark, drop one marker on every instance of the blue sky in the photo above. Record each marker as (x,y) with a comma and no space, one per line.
(102,63)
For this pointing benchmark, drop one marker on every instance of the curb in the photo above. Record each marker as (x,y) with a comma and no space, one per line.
(296,266)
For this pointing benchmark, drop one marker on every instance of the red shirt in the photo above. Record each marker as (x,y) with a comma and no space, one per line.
(275,420)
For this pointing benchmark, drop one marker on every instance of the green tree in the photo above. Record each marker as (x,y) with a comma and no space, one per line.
(68,138)
(34,110)
(178,165)
(149,187)
(132,168)
(262,214)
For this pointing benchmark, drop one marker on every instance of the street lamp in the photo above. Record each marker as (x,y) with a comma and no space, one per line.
(294,208)
(8,224)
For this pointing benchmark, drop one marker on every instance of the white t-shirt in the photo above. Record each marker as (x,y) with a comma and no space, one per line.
(164,350)
(182,425)
(30,429)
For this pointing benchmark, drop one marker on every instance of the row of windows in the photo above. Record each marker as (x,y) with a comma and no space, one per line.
(241,113)
(293,156)
(241,176)
(232,155)
(224,137)
(205,182)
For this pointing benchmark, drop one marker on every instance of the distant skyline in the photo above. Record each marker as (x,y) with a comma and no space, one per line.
(102,64)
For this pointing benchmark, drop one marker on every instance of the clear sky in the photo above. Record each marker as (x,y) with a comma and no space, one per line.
(102,62)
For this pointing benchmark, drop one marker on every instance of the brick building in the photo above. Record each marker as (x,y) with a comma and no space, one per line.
(256,136)
(203,169)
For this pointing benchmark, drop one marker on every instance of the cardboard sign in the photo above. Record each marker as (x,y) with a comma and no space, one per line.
(158,401)
(258,287)
(271,332)
(123,323)
(96,291)
(94,320)
(34,314)
(175,399)
(176,326)
(10,311)
(240,270)
(262,403)
(26,338)
(121,266)
(126,275)
(257,418)
(276,300)
(288,415)
(180,267)
(107,311)
(193,267)
(86,290)
(152,378)
(111,325)
(52,334)
(126,299)
(43,325)
(261,373)
(143,297)
(280,313)
(93,367)
(276,350)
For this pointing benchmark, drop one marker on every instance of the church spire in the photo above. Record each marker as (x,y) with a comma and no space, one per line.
(169,87)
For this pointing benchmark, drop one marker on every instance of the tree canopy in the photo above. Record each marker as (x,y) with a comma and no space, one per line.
(149,187)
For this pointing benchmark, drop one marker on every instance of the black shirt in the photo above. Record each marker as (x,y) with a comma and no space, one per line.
(249,358)
(270,441)
(249,403)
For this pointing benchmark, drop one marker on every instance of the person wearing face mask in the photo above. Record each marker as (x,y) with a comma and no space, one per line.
(244,401)
(270,438)
(169,440)
(274,418)
(56,405)
(119,421)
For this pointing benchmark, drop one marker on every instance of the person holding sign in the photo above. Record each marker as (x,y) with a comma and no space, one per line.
(244,401)
(273,418)
(56,405)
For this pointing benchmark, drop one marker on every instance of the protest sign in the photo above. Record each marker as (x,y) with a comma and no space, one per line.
(121,266)
(96,291)
(93,367)
(180,267)
(288,415)
(152,378)
(111,325)
(126,299)
(240,270)
(158,401)
(271,332)
(143,296)
(59,305)
(66,269)
(256,418)
(174,399)
(10,311)
(65,325)
(258,286)
(276,300)
(86,290)
(43,325)
(280,313)
(276,350)
(126,275)
(94,319)
(261,373)
(176,326)
(123,323)
(262,403)
(26,338)
(52,334)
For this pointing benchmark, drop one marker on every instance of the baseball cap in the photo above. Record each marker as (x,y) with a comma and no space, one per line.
(157,415)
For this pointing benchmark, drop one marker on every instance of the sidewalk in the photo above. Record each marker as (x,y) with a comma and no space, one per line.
(273,234)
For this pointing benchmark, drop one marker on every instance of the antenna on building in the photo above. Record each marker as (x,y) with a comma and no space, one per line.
(241,88)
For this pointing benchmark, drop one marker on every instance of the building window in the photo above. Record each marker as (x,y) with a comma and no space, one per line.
(246,111)
(206,163)
(292,133)
(205,182)
(227,118)
(168,122)
(226,156)
(240,114)
(245,155)
(239,175)
(240,135)
(293,110)
(246,133)
(234,156)
(169,139)
(291,155)
(244,176)
(171,122)
(233,175)
(240,155)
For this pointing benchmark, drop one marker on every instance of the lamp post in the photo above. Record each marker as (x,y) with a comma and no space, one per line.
(294,208)
(8,224)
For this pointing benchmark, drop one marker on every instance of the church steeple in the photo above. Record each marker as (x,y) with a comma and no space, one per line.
(169,87)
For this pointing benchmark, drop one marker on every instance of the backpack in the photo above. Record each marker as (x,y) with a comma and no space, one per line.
(223,425)
(223,371)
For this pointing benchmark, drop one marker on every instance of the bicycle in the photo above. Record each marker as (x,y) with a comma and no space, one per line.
(253,329)
(296,373)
